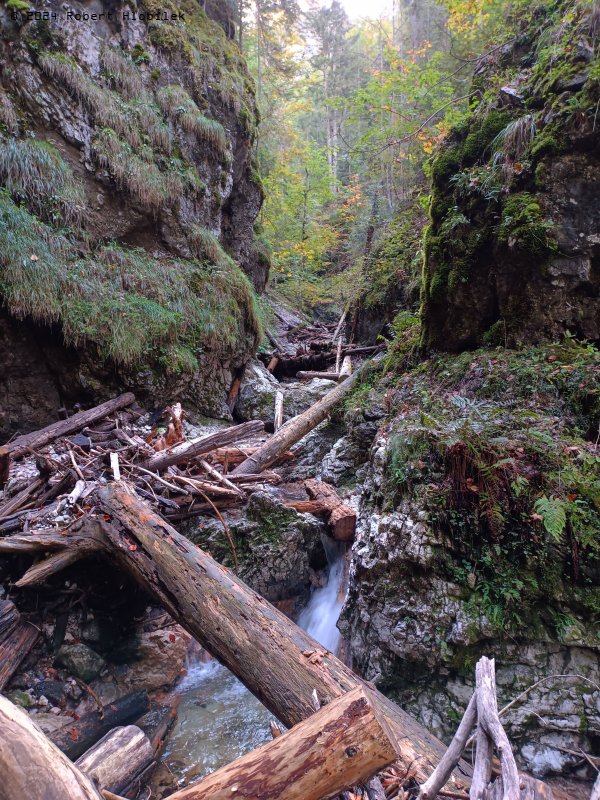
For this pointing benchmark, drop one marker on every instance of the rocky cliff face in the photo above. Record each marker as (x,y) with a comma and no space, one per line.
(512,252)
(477,535)
(127,206)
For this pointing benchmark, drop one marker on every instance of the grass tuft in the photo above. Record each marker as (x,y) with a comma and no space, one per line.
(123,73)
(34,172)
(179,106)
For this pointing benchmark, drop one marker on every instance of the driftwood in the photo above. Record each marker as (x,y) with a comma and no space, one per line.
(9,617)
(295,429)
(340,745)
(32,441)
(15,503)
(118,758)
(326,502)
(14,648)
(185,451)
(32,768)
(281,664)
(278,415)
(326,376)
(78,736)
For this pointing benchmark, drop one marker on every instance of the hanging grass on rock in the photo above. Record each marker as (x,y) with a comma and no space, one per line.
(132,307)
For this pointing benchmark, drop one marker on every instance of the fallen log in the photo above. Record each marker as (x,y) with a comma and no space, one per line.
(9,618)
(278,413)
(281,664)
(15,503)
(326,376)
(340,745)
(346,368)
(118,758)
(295,429)
(31,767)
(14,648)
(78,736)
(235,455)
(185,451)
(341,517)
(32,441)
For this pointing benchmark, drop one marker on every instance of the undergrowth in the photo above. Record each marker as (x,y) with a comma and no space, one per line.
(501,447)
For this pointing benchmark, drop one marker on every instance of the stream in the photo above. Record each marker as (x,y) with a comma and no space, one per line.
(218,719)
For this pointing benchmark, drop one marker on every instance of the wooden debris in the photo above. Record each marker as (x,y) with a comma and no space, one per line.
(325,376)
(295,429)
(4,466)
(9,617)
(14,648)
(33,441)
(118,758)
(346,368)
(258,643)
(78,736)
(278,416)
(198,447)
(344,743)
(326,502)
(32,768)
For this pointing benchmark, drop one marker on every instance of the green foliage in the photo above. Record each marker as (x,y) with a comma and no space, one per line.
(523,226)
(134,308)
(493,447)
(34,172)
(17,5)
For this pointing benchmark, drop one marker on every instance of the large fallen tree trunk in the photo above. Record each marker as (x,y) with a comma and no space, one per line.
(341,745)
(295,429)
(118,758)
(326,502)
(32,768)
(33,441)
(77,736)
(185,451)
(281,664)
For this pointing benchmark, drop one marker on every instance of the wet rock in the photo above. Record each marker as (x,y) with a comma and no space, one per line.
(277,548)
(158,659)
(80,660)
(54,691)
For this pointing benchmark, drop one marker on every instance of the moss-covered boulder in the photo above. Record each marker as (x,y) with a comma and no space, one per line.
(513,246)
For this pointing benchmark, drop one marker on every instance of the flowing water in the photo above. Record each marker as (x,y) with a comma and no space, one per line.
(218,718)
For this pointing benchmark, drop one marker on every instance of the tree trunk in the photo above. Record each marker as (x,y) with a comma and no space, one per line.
(185,451)
(32,768)
(295,429)
(276,660)
(343,744)
(32,441)
(77,736)
(118,758)
(341,518)
(9,617)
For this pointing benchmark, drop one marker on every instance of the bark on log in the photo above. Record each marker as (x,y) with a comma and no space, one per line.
(344,743)
(78,736)
(14,648)
(346,368)
(276,660)
(9,617)
(295,429)
(32,441)
(181,453)
(118,758)
(326,376)
(4,466)
(342,518)
(32,768)
(278,414)
(236,455)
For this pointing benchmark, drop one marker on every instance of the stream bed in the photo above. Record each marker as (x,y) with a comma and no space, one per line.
(218,719)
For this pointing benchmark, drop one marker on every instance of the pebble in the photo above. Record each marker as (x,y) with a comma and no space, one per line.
(43,701)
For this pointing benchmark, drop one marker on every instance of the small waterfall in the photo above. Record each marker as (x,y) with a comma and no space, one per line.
(319,618)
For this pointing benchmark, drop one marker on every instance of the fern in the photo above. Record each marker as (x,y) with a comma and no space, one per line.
(554,515)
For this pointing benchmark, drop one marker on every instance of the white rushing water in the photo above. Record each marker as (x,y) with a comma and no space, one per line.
(319,618)
(218,719)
